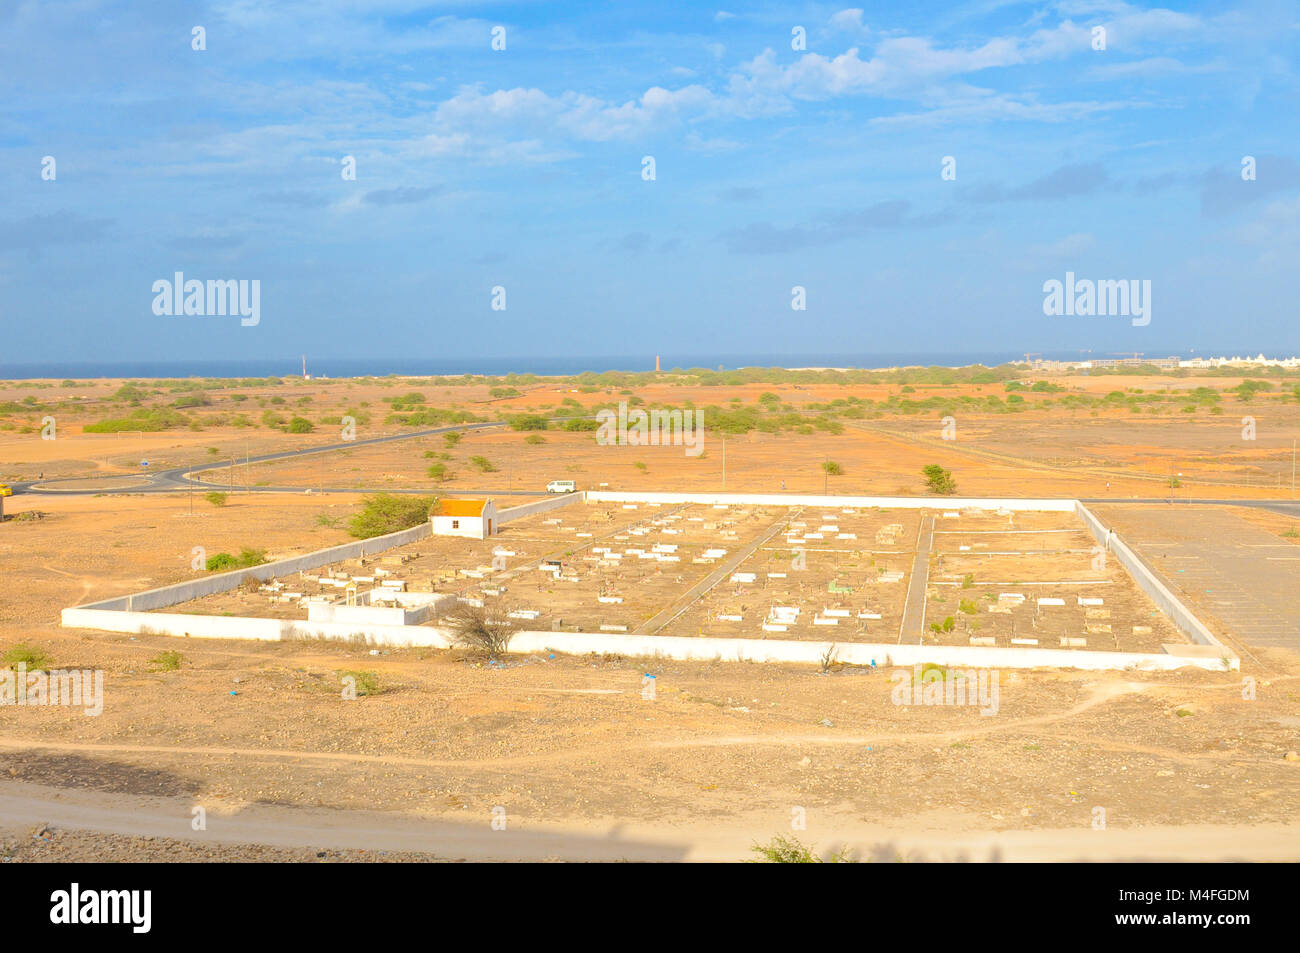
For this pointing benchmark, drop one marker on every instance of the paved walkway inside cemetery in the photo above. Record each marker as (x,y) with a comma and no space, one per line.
(912,628)
(661,619)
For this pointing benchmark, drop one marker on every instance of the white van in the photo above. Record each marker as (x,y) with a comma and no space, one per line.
(561,486)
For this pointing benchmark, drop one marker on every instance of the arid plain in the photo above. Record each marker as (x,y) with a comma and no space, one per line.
(1184,764)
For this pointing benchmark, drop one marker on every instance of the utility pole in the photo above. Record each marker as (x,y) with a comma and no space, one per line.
(1293,469)
(724,463)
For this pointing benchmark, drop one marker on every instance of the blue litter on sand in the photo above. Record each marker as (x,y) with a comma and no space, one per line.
(234,693)
(648,675)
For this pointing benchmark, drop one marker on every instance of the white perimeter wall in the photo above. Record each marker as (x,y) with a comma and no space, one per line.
(223,582)
(539,506)
(837,502)
(112,615)
(647,646)
(1147,580)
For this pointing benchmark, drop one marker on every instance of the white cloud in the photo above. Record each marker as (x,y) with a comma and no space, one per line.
(848,20)
(586,117)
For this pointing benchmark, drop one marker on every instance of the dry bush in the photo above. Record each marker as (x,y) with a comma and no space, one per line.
(489,628)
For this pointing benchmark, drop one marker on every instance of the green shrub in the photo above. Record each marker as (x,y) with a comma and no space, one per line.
(33,658)
(939,480)
(527,422)
(247,557)
(789,850)
(366,683)
(216,498)
(387,513)
(168,661)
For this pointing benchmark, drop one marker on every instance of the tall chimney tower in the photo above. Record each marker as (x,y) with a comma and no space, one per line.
(656,363)
(304,365)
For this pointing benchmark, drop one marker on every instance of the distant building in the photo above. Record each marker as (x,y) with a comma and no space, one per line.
(474,519)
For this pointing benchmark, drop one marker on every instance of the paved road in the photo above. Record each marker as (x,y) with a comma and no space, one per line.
(181,479)
(1287,507)
(178,479)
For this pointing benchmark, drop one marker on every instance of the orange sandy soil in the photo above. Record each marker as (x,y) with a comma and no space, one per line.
(721,756)
(570,745)
(873,463)
(1053,451)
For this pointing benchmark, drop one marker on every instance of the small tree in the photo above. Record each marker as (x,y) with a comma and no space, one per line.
(451,439)
(387,513)
(832,468)
(938,480)
(489,628)
(215,498)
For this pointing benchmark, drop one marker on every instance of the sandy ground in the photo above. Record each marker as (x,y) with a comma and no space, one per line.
(1182,764)
(723,756)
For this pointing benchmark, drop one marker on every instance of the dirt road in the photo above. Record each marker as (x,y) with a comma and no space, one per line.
(27,805)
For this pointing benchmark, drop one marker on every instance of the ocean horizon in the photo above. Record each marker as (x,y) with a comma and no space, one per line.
(348,367)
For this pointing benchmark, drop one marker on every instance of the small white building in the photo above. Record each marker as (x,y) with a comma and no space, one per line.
(475,519)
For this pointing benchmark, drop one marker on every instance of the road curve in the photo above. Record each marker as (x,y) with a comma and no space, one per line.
(181,478)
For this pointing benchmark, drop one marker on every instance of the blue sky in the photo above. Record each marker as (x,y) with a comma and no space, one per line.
(522,168)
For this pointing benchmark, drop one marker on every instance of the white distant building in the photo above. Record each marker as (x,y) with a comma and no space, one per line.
(474,519)
(1258,361)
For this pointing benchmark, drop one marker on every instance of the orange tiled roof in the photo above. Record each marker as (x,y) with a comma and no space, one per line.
(460,507)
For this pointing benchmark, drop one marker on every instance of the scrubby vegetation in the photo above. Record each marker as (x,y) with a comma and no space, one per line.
(247,558)
(488,628)
(789,850)
(387,513)
(938,480)
(33,658)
